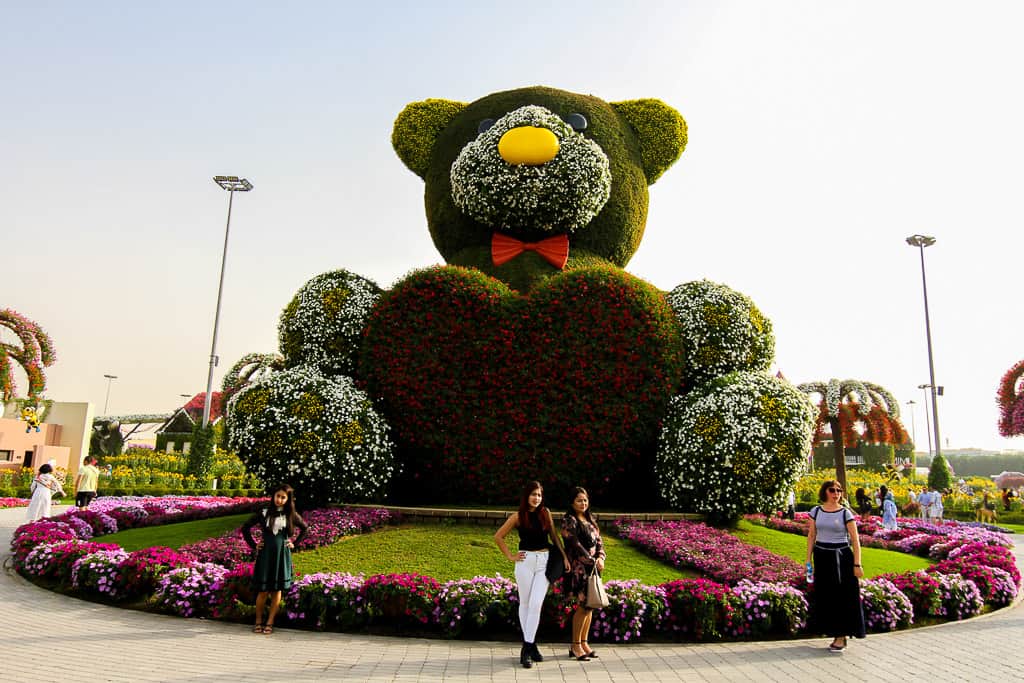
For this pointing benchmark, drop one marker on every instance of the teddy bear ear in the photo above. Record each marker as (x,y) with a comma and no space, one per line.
(661,131)
(417,129)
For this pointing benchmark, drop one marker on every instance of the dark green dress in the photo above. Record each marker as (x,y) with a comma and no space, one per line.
(273,570)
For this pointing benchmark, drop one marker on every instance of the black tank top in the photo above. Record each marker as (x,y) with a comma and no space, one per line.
(534,538)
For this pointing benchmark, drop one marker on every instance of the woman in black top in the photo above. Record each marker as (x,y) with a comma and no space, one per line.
(536,528)
(586,553)
(273,571)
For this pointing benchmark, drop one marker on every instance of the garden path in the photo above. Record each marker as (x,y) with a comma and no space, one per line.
(56,637)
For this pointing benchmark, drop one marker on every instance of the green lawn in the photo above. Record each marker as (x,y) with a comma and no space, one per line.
(1016,528)
(875,560)
(175,535)
(448,552)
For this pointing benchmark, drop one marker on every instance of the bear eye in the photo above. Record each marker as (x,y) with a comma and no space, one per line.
(484,125)
(577,121)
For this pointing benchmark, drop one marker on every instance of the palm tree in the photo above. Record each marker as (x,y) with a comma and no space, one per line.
(849,403)
(35,353)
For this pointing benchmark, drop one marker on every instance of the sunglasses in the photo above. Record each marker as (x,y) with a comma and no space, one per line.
(834,490)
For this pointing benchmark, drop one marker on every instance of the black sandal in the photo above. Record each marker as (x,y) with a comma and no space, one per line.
(579,658)
(590,653)
(258,627)
(268,629)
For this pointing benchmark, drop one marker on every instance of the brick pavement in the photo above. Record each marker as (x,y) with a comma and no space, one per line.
(49,636)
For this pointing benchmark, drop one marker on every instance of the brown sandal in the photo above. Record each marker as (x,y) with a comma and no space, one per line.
(258,627)
(268,629)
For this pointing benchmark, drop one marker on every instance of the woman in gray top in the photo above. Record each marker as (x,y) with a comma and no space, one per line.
(833,544)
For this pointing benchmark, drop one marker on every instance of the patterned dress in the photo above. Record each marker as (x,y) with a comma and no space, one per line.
(583,547)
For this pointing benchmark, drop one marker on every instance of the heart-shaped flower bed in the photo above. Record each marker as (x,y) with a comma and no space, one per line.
(486,388)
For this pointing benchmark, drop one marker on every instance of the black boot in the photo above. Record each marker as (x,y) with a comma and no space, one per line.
(535,654)
(524,656)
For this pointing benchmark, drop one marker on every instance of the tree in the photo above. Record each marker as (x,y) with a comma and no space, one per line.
(1011,401)
(939,476)
(35,353)
(200,456)
(855,411)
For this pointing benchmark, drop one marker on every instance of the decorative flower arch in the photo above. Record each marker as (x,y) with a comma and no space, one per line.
(1011,401)
(35,353)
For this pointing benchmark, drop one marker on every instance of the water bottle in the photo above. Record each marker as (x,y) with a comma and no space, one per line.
(810,573)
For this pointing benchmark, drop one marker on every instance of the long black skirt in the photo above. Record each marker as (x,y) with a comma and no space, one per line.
(835,595)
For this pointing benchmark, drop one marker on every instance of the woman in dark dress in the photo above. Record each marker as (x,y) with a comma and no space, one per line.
(273,571)
(833,543)
(585,551)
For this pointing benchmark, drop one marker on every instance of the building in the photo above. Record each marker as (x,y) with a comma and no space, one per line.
(63,437)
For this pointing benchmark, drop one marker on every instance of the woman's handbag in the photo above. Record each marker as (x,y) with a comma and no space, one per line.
(597,598)
(556,566)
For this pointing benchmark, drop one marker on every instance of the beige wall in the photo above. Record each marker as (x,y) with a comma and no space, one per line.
(63,437)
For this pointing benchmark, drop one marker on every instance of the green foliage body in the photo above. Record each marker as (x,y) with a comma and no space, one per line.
(939,476)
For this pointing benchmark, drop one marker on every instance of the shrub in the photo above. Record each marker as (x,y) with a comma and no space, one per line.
(699,609)
(321,435)
(233,592)
(960,597)
(633,609)
(328,600)
(478,604)
(189,591)
(141,570)
(100,573)
(769,609)
(54,561)
(735,445)
(886,608)
(922,589)
(400,598)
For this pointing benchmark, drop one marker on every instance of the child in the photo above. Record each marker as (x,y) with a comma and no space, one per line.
(273,572)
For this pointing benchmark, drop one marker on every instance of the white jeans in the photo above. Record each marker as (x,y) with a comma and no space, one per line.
(533,586)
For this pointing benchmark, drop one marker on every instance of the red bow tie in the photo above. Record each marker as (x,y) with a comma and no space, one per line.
(554,250)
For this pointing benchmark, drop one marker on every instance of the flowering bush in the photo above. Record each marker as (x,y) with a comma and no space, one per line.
(142,568)
(960,597)
(987,555)
(633,608)
(82,528)
(734,445)
(189,591)
(699,609)
(320,434)
(100,522)
(28,537)
(723,331)
(13,503)
(228,550)
(715,553)
(886,608)
(922,589)
(477,604)
(322,325)
(100,573)
(54,561)
(233,592)
(400,597)
(328,600)
(769,609)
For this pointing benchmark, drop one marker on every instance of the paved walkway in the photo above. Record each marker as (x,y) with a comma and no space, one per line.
(54,637)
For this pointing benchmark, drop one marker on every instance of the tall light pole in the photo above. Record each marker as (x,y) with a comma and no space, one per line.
(232,184)
(927,420)
(913,426)
(922,241)
(106,401)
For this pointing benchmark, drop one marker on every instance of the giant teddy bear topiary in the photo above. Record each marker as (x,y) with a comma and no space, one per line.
(532,354)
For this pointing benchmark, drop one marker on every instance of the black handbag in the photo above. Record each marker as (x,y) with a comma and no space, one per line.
(556,566)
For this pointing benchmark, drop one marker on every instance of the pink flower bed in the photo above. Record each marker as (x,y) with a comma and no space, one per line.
(715,553)
(13,503)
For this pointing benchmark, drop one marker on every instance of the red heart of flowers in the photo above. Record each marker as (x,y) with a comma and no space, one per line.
(486,388)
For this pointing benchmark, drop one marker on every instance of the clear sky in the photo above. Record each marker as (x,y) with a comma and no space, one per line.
(821,135)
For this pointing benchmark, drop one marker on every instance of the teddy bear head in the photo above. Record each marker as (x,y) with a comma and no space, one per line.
(525,183)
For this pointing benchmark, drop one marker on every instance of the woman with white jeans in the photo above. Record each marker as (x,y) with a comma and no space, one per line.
(535,526)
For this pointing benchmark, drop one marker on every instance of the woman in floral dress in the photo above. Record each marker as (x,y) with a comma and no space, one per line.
(273,571)
(585,551)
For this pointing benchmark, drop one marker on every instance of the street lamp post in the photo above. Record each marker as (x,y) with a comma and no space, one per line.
(922,241)
(927,420)
(232,184)
(913,425)
(106,401)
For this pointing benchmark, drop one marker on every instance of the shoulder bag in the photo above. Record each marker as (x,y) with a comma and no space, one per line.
(556,567)
(597,598)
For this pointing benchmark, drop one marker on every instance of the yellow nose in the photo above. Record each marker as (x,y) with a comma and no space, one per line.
(528,145)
